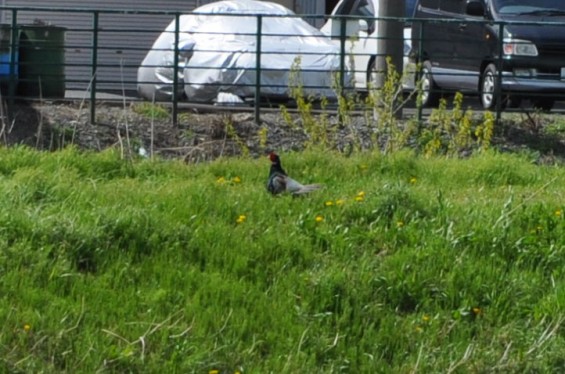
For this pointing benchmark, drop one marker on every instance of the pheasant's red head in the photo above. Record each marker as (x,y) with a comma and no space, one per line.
(273,157)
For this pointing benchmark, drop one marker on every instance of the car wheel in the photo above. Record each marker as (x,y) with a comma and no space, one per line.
(488,88)
(544,105)
(429,95)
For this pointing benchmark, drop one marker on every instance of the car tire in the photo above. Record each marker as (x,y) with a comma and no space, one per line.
(429,95)
(545,105)
(489,80)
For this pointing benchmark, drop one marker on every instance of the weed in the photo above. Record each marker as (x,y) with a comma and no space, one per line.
(317,129)
(232,134)
(151,110)
(386,103)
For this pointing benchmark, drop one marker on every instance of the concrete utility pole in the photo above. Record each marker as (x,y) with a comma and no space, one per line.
(391,37)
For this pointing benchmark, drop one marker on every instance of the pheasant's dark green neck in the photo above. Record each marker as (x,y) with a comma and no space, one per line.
(276,167)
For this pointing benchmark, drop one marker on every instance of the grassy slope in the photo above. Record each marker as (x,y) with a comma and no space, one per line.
(442,265)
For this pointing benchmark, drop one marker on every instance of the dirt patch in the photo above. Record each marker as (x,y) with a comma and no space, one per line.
(206,136)
(196,137)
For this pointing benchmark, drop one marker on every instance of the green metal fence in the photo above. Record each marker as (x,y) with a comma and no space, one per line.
(37,59)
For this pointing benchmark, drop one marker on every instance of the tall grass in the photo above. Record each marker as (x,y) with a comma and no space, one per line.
(400,264)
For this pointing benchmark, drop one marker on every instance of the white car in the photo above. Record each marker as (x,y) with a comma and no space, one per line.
(362,39)
(218,55)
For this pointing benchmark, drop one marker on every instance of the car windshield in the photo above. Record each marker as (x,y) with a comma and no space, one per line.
(530,7)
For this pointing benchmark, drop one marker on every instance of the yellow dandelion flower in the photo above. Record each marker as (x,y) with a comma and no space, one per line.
(419,329)
(221,180)
(359,198)
(319,218)
(361,194)
(241,218)
(27,327)
(214,371)
(329,203)
(413,180)
(236,179)
(477,311)
(558,212)
(399,223)
(425,318)
(339,202)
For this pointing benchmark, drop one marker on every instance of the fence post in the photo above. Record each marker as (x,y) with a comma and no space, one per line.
(390,45)
(341,91)
(258,70)
(175,95)
(419,76)
(94,67)
(342,37)
(497,87)
(13,56)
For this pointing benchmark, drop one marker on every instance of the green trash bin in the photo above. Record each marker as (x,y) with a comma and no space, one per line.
(41,61)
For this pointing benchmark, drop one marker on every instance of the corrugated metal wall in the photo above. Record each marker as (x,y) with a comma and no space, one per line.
(121,50)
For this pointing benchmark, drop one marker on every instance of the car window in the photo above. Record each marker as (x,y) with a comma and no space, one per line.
(365,9)
(355,7)
(524,6)
(409,10)
(430,4)
(453,6)
(345,7)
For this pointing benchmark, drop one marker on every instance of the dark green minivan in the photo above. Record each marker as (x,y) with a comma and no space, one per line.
(498,49)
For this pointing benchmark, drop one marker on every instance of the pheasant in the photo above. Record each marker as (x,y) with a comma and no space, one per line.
(280,182)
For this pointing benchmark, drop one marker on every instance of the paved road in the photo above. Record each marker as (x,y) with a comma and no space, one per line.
(409,110)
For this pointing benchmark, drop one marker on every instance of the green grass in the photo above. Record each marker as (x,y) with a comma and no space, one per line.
(398,265)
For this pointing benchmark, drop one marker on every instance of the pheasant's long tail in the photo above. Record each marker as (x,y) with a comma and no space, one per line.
(307,189)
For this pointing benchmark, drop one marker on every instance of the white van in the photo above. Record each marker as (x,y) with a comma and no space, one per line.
(362,38)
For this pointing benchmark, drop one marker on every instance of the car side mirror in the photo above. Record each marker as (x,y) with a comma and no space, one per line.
(363,25)
(475,8)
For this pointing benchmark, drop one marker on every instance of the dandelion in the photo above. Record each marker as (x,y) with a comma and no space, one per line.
(360,196)
(413,180)
(221,180)
(477,311)
(214,371)
(399,224)
(319,218)
(425,318)
(236,179)
(558,213)
(241,218)
(27,327)
(339,202)
(419,329)
(329,203)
